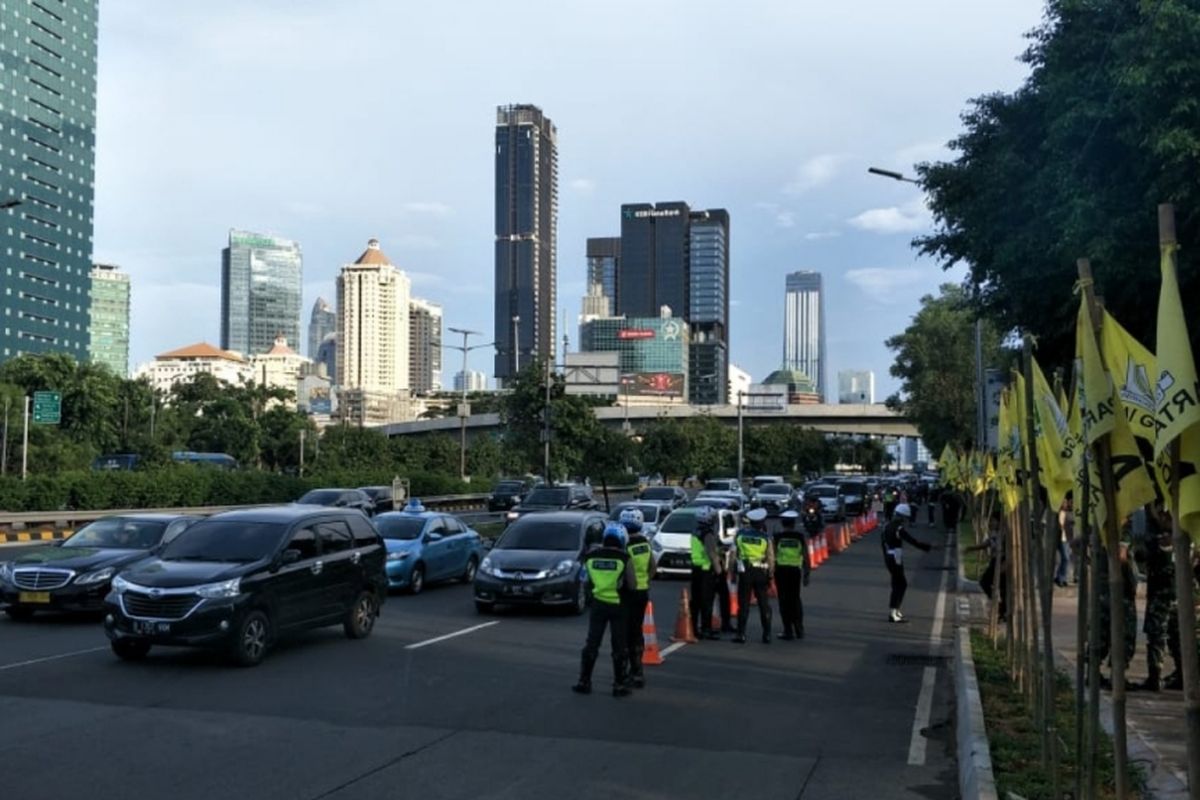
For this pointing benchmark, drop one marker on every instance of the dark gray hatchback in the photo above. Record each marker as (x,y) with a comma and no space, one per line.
(239,580)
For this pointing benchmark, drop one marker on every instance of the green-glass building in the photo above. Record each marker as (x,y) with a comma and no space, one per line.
(109,326)
(653,353)
(47,162)
(261,284)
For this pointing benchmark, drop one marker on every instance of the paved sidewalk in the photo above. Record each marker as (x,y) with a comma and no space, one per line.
(1155,720)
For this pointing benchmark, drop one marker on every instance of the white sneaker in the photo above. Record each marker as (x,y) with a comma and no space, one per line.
(894,616)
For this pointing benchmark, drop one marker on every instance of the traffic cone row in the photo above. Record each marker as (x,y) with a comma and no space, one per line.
(683,621)
(650,654)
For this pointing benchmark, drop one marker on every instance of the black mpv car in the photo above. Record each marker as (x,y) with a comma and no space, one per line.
(239,580)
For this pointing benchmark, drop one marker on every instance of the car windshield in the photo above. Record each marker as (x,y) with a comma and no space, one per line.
(717,486)
(775,488)
(659,493)
(760,483)
(376,492)
(548,497)
(507,487)
(853,488)
(679,523)
(321,497)
(119,532)
(226,540)
(823,491)
(534,534)
(649,512)
(711,502)
(399,527)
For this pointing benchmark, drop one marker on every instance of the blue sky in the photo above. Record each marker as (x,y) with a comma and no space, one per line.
(331,123)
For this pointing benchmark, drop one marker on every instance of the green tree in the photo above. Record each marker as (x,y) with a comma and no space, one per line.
(1072,164)
(935,362)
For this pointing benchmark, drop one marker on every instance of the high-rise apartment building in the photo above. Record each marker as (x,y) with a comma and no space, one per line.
(47,164)
(804,327)
(604,267)
(526,237)
(261,284)
(856,386)
(108,325)
(675,257)
(373,338)
(425,346)
(321,322)
(476,381)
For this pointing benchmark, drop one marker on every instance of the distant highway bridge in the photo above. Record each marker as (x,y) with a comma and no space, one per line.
(869,420)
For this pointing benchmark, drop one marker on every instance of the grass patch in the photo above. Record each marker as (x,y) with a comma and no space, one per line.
(1015,740)
(973,563)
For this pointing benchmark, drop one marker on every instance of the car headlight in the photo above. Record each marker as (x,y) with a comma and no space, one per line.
(564,567)
(656,545)
(487,567)
(119,584)
(398,555)
(510,516)
(216,591)
(96,576)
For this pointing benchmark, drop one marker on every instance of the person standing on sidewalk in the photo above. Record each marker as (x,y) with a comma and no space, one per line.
(611,578)
(1066,534)
(756,570)
(707,568)
(1161,635)
(791,568)
(895,534)
(1128,605)
(641,561)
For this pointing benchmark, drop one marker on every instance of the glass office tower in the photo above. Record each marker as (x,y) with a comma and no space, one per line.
(261,284)
(804,327)
(47,164)
(109,319)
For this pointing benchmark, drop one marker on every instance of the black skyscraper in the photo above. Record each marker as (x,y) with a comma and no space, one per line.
(526,234)
(673,256)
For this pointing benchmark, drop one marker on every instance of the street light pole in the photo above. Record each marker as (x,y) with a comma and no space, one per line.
(896,176)
(464,409)
(741,452)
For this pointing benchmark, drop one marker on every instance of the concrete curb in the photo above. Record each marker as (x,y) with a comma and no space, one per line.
(976,780)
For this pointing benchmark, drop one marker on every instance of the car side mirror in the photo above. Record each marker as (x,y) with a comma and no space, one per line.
(432,537)
(289,556)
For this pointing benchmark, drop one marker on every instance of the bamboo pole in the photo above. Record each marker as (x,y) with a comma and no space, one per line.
(1184,593)
(1116,589)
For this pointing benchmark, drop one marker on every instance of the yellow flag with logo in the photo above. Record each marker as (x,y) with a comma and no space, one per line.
(1130,364)
(1050,432)
(1177,397)
(1081,461)
(1094,392)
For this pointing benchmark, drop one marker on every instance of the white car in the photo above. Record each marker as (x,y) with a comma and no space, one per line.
(674,538)
(830,500)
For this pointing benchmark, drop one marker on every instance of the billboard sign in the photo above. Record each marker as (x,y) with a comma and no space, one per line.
(635,333)
(655,384)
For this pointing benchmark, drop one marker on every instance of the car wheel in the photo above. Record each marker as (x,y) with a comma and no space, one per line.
(360,619)
(130,649)
(468,576)
(253,636)
(19,613)
(581,600)
(484,608)
(417,581)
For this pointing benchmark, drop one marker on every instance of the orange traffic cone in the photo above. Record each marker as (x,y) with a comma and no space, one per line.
(812,554)
(683,621)
(650,653)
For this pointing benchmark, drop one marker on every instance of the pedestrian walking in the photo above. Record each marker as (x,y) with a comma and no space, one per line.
(791,569)
(755,570)
(708,568)
(641,559)
(1161,635)
(611,578)
(895,534)
(950,508)
(1066,532)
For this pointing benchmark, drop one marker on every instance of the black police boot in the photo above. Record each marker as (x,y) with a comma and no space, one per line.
(637,678)
(1153,682)
(740,638)
(786,636)
(766,639)
(1174,681)
(620,678)
(800,632)
(584,686)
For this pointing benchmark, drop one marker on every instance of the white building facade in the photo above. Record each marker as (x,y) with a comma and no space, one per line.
(856,386)
(180,366)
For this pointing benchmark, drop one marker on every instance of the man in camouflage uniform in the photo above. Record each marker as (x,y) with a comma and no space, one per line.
(1161,622)
(1129,596)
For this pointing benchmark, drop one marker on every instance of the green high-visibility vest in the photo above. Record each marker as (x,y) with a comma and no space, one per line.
(700,555)
(639,554)
(752,547)
(789,552)
(605,575)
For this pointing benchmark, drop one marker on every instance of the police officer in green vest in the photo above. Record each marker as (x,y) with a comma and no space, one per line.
(611,577)
(791,568)
(756,568)
(641,561)
(708,567)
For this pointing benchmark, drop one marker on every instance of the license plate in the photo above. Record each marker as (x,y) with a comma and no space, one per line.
(148,627)
(33,597)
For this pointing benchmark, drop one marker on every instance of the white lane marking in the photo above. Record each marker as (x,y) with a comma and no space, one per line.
(916,747)
(33,661)
(671,648)
(463,632)
(939,610)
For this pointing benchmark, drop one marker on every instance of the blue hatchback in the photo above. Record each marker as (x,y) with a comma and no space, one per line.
(424,546)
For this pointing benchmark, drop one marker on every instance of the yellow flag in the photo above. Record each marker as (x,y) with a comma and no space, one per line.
(1095,407)
(1130,364)
(1009,452)
(1177,395)
(1077,454)
(1049,434)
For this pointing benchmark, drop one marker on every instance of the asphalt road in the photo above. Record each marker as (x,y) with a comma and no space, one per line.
(488,713)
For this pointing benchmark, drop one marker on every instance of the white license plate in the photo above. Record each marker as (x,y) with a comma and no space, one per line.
(149,627)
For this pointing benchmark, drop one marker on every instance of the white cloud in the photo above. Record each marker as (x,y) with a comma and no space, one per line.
(908,218)
(814,236)
(886,286)
(433,208)
(782,217)
(817,171)
(582,185)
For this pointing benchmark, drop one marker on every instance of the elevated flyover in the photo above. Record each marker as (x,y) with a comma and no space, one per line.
(868,420)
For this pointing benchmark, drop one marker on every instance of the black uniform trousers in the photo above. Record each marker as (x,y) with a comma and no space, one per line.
(635,612)
(899,582)
(754,579)
(791,608)
(704,583)
(721,588)
(605,615)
